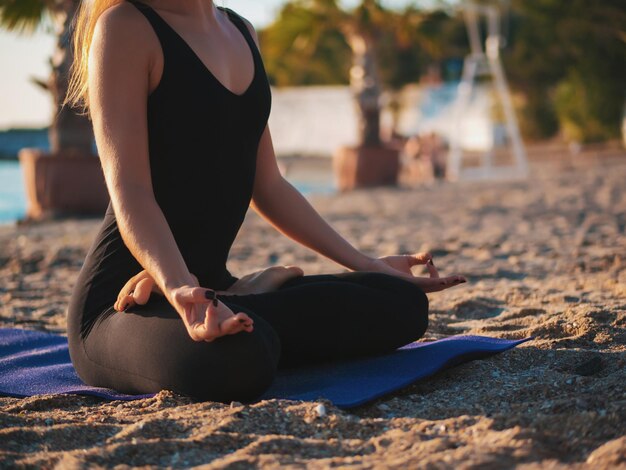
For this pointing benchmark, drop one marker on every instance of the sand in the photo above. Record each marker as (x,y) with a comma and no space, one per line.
(545,257)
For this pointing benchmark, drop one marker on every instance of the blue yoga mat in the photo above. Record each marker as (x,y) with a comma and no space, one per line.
(36,363)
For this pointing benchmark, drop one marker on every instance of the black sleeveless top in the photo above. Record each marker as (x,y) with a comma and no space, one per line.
(203,142)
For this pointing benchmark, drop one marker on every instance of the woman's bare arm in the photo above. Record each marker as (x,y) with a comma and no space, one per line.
(277,201)
(119,69)
(282,205)
(119,80)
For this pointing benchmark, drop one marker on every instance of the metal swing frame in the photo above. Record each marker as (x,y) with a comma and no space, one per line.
(480,63)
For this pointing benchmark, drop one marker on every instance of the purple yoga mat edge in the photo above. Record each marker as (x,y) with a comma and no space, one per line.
(124,397)
(84,393)
(375,396)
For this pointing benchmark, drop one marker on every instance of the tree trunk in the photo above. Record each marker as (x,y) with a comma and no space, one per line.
(70,133)
(365,84)
(369,163)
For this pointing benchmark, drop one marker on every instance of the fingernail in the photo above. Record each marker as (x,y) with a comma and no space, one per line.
(430,261)
(215,302)
(241,320)
(209,294)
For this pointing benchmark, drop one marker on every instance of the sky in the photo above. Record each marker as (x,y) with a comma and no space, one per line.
(23,104)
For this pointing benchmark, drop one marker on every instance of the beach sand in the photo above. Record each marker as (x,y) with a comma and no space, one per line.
(545,257)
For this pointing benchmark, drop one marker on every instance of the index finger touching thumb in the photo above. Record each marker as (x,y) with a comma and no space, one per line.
(430,266)
(420,258)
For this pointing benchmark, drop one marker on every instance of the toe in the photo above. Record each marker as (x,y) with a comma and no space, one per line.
(295,269)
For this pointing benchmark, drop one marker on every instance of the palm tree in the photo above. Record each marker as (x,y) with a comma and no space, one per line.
(368,34)
(69,132)
(56,182)
(362,30)
(309,23)
(311,27)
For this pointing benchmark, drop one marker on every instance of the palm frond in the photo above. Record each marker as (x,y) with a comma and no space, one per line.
(22,16)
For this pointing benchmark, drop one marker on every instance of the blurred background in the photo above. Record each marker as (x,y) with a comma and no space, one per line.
(368,74)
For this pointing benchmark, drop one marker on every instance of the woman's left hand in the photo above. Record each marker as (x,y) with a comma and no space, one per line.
(400,265)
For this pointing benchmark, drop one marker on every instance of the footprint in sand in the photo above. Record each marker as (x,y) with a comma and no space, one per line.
(478,309)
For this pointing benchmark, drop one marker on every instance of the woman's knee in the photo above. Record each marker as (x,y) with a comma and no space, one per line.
(417,303)
(410,300)
(407,300)
(236,367)
(398,287)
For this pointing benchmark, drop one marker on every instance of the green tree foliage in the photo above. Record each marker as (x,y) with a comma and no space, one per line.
(569,60)
(415,40)
(370,47)
(24,15)
(304,47)
(566,60)
(307,43)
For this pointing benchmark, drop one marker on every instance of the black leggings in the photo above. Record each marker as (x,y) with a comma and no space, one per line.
(308,319)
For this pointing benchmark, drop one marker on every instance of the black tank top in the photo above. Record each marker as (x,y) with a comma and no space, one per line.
(203,142)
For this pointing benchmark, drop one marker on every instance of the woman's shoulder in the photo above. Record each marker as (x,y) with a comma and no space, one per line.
(233,14)
(120,16)
(124,29)
(124,22)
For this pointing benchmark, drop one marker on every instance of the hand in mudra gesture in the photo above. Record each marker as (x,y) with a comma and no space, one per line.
(204,316)
(141,286)
(400,265)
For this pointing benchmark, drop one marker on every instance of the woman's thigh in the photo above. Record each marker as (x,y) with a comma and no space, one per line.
(148,349)
(332,316)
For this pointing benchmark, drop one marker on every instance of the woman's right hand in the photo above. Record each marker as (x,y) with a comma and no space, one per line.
(139,288)
(204,318)
(137,291)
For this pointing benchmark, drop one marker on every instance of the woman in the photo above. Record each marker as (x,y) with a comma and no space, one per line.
(179,101)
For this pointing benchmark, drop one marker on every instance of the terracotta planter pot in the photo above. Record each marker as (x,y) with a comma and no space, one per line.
(62,185)
(361,167)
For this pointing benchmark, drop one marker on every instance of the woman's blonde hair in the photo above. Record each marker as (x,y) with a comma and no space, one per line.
(84,25)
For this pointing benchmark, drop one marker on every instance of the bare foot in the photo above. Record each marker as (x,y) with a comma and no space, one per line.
(266,280)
